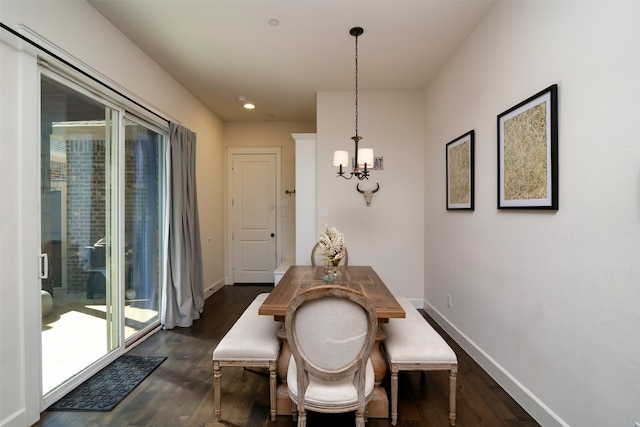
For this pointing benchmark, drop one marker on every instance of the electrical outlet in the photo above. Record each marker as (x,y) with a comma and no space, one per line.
(449,300)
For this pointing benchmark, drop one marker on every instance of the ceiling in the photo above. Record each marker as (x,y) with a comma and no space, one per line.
(222,49)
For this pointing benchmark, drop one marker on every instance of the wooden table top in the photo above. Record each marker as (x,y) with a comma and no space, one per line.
(361,278)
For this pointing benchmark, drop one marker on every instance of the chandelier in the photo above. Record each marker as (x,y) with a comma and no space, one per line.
(363,156)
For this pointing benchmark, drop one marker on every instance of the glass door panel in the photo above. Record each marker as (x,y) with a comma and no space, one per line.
(79,184)
(143,168)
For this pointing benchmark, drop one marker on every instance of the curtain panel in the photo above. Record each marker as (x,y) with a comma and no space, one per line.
(183,294)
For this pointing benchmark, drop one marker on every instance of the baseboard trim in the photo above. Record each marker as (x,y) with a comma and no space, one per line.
(534,406)
(417,303)
(17,419)
(213,288)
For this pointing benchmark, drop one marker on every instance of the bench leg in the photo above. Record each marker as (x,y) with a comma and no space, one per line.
(273,384)
(394,395)
(453,372)
(216,388)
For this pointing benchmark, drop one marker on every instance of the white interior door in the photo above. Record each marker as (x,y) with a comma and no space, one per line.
(253,217)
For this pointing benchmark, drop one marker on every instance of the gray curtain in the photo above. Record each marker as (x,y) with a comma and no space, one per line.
(183,295)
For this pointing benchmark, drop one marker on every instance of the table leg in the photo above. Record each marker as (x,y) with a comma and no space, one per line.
(379,404)
(283,401)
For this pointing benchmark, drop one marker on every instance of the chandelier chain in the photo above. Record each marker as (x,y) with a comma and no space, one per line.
(356,57)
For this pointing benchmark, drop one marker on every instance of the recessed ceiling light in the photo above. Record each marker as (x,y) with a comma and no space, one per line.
(247,105)
(274,22)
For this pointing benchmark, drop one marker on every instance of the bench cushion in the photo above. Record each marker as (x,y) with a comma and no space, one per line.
(252,337)
(413,340)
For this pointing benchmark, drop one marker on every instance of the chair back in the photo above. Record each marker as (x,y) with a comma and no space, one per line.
(331,330)
(318,258)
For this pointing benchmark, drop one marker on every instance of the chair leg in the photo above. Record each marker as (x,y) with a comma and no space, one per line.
(216,388)
(302,418)
(394,395)
(453,372)
(294,411)
(359,419)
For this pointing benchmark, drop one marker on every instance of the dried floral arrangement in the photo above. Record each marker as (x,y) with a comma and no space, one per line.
(332,244)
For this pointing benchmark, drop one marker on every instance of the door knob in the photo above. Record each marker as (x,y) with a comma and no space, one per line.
(273,234)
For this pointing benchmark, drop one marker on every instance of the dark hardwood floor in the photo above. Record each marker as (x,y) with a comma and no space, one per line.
(180,391)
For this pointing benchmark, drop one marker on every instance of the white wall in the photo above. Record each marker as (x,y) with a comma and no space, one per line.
(387,235)
(548,302)
(77,29)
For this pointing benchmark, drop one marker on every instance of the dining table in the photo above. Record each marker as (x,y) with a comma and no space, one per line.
(364,279)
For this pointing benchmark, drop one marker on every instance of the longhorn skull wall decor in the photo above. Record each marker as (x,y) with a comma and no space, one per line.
(368,194)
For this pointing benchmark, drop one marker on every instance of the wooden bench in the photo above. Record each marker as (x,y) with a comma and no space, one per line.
(411,344)
(251,342)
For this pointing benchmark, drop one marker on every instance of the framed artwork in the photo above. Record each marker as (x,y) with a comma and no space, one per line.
(528,153)
(460,172)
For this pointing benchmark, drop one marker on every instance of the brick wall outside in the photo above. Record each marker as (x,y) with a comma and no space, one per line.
(85,206)
(86,201)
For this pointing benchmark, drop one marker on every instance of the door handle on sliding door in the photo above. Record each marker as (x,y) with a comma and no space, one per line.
(43,266)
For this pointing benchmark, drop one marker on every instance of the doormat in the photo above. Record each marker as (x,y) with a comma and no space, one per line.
(108,387)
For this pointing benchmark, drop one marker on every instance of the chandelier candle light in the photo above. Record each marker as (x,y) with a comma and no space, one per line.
(363,156)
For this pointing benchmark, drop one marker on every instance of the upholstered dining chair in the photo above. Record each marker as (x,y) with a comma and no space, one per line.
(330,331)
(317,256)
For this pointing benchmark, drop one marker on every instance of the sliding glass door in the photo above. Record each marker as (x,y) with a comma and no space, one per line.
(143,196)
(101,216)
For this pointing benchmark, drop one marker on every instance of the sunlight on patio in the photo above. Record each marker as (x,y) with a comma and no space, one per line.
(74,336)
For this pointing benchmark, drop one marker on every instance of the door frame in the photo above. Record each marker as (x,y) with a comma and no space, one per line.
(231,151)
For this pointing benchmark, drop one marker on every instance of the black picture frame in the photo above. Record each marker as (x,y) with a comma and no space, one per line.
(460,172)
(528,153)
